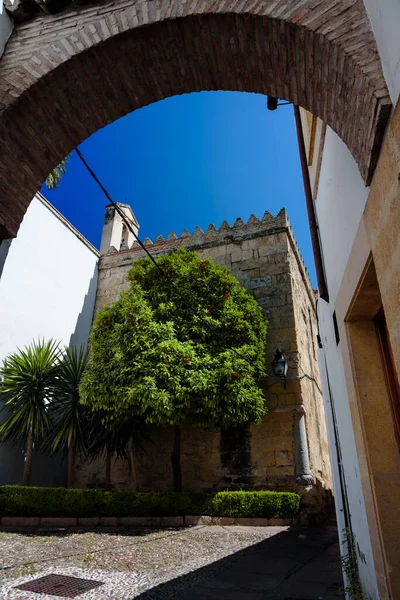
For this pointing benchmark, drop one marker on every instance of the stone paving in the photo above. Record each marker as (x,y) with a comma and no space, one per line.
(197,563)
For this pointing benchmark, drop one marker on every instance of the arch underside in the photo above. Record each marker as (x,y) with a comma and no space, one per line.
(65,76)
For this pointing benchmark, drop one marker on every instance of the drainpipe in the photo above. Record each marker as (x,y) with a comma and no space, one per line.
(303,471)
(312,220)
(302,459)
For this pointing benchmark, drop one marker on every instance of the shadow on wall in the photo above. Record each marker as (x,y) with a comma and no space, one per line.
(4,248)
(46,471)
(85,317)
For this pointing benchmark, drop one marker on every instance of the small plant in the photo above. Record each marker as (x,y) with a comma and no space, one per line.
(27,568)
(87,559)
(350,567)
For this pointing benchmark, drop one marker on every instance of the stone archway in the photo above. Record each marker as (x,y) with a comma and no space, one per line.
(64,76)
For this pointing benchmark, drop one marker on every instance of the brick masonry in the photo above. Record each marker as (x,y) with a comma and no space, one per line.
(65,76)
(264,256)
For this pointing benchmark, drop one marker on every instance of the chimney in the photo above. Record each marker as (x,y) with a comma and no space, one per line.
(115,232)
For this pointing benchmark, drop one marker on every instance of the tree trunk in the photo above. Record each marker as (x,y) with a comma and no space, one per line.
(108,471)
(176,460)
(133,468)
(26,477)
(71,461)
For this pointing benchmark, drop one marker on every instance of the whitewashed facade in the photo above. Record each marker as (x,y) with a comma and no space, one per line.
(340,201)
(47,290)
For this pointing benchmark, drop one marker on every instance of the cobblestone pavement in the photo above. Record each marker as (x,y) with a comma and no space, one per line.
(198,563)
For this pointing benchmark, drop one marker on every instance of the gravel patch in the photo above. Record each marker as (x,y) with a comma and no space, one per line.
(130,561)
(116,586)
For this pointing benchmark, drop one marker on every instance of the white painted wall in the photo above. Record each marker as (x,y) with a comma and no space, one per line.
(47,290)
(6,26)
(338,395)
(340,203)
(339,206)
(48,284)
(384,16)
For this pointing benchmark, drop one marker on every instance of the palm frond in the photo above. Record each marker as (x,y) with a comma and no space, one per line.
(53,178)
(28,380)
(70,418)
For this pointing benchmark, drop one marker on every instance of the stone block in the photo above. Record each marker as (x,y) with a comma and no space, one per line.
(280,471)
(247,254)
(236,255)
(255,272)
(252,263)
(109,521)
(251,244)
(58,521)
(272,425)
(284,458)
(244,521)
(172,522)
(205,520)
(286,424)
(88,521)
(223,521)
(260,522)
(191,520)
(139,521)
(20,521)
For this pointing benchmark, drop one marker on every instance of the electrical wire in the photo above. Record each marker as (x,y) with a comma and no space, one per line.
(153,260)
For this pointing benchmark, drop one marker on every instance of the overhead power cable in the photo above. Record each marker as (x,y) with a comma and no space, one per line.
(153,260)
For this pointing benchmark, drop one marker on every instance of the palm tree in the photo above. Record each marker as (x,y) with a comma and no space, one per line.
(28,380)
(70,418)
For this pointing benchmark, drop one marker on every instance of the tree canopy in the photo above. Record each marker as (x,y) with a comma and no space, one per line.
(191,353)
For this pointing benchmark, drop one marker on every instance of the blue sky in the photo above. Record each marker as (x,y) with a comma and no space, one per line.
(190,160)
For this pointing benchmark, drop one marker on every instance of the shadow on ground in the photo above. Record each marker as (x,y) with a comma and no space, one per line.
(299,563)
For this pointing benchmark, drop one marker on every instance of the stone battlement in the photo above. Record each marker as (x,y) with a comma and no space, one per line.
(239,231)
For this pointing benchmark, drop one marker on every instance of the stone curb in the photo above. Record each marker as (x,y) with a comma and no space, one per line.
(186,521)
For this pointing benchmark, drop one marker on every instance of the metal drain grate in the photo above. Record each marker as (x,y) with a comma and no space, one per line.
(59,585)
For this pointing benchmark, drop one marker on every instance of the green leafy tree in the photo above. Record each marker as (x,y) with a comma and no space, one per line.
(188,354)
(54,177)
(28,381)
(70,418)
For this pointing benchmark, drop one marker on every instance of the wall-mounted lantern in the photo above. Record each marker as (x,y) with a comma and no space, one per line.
(279,364)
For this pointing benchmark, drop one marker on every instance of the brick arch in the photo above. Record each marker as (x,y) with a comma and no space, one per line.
(65,76)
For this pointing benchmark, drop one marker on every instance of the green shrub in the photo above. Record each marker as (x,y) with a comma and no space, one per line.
(62,502)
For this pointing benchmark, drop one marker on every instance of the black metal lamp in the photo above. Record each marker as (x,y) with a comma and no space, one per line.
(272,103)
(279,364)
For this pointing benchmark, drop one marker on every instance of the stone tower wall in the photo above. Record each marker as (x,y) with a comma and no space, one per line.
(264,257)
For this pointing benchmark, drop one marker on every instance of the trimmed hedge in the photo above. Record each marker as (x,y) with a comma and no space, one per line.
(61,502)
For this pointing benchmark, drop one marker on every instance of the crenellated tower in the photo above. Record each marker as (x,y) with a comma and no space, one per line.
(288,450)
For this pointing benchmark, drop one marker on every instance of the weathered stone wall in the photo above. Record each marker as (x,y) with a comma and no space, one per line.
(264,257)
